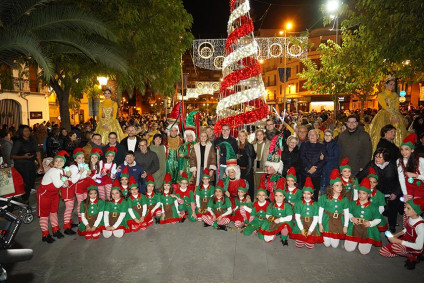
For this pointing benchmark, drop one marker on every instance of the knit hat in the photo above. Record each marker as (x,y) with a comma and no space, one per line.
(220,185)
(167,179)
(205,173)
(190,126)
(150,179)
(62,155)
(261,189)
(96,151)
(183,176)
(410,141)
(231,158)
(335,176)
(372,174)
(365,185)
(274,157)
(116,185)
(112,150)
(77,151)
(243,186)
(417,205)
(125,172)
(345,164)
(308,186)
(132,183)
(291,174)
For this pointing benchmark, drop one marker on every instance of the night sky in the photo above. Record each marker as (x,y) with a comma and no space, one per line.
(211,16)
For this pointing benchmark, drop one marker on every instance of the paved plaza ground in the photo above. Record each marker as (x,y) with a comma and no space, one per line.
(188,252)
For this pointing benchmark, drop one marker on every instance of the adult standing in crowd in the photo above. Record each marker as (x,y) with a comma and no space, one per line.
(355,144)
(202,156)
(157,147)
(225,131)
(271,131)
(388,134)
(331,159)
(313,154)
(290,156)
(6,145)
(302,134)
(261,147)
(186,148)
(24,153)
(53,143)
(96,142)
(113,141)
(131,142)
(147,159)
(245,157)
(69,144)
(211,135)
(173,143)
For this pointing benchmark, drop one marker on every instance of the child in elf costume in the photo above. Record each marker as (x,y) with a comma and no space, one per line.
(204,192)
(152,201)
(258,212)
(169,203)
(292,193)
(115,213)
(241,213)
(137,207)
(410,241)
(48,197)
(377,198)
(92,210)
(350,183)
(107,173)
(185,199)
(364,218)
(219,209)
(124,178)
(279,217)
(305,230)
(333,217)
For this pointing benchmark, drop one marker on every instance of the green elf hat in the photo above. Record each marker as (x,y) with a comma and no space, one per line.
(231,157)
(220,185)
(205,173)
(345,164)
(125,172)
(308,186)
(112,150)
(167,179)
(132,183)
(410,141)
(116,185)
(183,176)
(190,126)
(291,173)
(243,186)
(417,205)
(150,179)
(96,151)
(372,173)
(62,155)
(92,187)
(77,151)
(365,185)
(335,177)
(261,189)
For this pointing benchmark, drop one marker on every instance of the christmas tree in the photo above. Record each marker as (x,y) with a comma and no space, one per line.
(242,91)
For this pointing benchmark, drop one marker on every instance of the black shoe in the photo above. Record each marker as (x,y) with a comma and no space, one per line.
(206,225)
(157,220)
(392,229)
(285,243)
(58,234)
(73,225)
(420,257)
(222,227)
(69,232)
(410,264)
(48,239)
(182,220)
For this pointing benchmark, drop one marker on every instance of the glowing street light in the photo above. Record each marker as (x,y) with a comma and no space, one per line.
(289,26)
(102,80)
(332,6)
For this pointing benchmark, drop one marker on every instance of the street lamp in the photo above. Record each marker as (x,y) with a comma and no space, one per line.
(288,26)
(102,81)
(332,8)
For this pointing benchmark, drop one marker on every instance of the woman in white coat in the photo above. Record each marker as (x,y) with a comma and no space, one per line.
(203,156)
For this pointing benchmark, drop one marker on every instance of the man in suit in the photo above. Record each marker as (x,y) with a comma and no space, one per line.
(130,143)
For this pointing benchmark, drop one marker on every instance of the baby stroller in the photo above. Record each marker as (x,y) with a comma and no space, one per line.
(23,211)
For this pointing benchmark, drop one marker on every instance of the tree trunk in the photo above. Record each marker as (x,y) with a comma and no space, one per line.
(63,99)
(335,108)
(362,108)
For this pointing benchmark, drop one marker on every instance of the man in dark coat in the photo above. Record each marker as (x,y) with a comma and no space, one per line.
(120,155)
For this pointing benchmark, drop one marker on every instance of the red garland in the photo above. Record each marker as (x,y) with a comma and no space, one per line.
(237,34)
(232,5)
(239,75)
(238,121)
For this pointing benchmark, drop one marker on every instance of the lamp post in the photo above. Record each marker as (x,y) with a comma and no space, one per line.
(288,26)
(332,8)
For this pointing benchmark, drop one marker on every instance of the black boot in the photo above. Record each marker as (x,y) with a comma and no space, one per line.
(183,219)
(69,232)
(206,225)
(410,264)
(157,220)
(48,239)
(73,225)
(222,227)
(285,242)
(420,257)
(58,234)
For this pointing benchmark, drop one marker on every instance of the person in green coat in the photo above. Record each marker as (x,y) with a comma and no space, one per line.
(203,193)
(258,213)
(169,203)
(364,218)
(92,210)
(219,209)
(115,214)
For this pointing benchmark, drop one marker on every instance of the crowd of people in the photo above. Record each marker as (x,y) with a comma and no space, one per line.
(308,178)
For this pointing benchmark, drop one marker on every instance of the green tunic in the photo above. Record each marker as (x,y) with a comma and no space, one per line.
(205,195)
(359,233)
(259,217)
(184,151)
(333,208)
(350,186)
(135,203)
(115,208)
(307,212)
(293,196)
(188,198)
(269,228)
(151,202)
(172,158)
(93,209)
(377,198)
(168,205)
(219,207)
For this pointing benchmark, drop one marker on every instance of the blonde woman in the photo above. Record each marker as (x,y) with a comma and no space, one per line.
(203,156)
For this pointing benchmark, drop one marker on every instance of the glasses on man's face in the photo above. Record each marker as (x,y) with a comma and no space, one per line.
(327,135)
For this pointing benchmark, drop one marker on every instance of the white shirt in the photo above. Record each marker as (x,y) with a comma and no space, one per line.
(131,144)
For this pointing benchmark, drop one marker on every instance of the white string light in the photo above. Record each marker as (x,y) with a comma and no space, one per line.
(237,13)
(241,97)
(243,52)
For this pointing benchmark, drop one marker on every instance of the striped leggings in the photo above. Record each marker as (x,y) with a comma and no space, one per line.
(104,191)
(44,224)
(393,250)
(209,220)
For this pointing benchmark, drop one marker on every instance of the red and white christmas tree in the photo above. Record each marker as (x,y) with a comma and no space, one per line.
(242,91)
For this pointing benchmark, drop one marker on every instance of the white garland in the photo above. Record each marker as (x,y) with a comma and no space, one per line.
(242,52)
(237,13)
(241,97)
